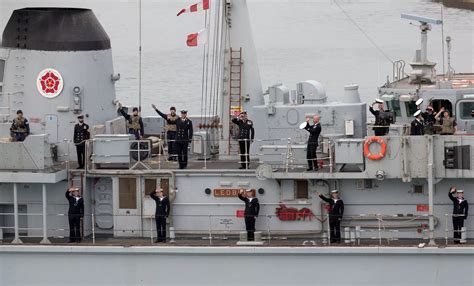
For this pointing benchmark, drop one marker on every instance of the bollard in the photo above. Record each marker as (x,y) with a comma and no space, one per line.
(353,236)
(463,235)
(347,238)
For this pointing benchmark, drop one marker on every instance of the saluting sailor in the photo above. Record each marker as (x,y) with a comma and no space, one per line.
(184,136)
(20,127)
(335,215)
(314,131)
(246,136)
(162,212)
(134,122)
(81,134)
(170,130)
(252,208)
(380,120)
(417,124)
(460,212)
(75,213)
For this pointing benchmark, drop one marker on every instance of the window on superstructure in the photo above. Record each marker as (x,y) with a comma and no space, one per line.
(439,103)
(301,189)
(411,108)
(466,109)
(127,193)
(150,186)
(394,105)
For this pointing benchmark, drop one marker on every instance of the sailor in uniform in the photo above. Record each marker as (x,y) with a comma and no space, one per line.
(252,208)
(335,215)
(460,212)
(20,127)
(170,129)
(81,134)
(314,131)
(134,122)
(417,127)
(429,120)
(380,118)
(246,136)
(75,213)
(184,135)
(161,213)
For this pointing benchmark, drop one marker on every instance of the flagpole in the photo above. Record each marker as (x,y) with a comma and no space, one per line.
(139,55)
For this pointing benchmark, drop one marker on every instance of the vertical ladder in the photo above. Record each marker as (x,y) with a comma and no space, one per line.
(235,97)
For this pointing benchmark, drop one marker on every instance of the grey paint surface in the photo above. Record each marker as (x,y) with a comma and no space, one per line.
(53,265)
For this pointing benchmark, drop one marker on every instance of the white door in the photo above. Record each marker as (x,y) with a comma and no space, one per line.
(127,206)
(51,128)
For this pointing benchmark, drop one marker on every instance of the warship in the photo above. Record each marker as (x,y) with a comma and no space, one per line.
(56,64)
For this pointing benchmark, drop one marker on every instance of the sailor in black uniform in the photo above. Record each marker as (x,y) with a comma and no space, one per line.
(460,212)
(134,122)
(246,136)
(381,118)
(20,127)
(161,213)
(314,131)
(252,208)
(335,215)
(417,127)
(170,130)
(429,120)
(81,134)
(184,135)
(75,214)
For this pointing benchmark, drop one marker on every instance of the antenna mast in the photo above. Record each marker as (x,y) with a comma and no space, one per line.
(139,55)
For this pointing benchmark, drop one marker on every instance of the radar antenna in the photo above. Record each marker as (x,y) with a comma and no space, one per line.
(422,68)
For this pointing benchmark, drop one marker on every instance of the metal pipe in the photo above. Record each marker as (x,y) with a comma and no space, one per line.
(45,239)
(446,229)
(93,227)
(430,190)
(17,239)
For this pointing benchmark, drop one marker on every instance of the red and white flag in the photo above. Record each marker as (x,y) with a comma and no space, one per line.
(201,6)
(195,39)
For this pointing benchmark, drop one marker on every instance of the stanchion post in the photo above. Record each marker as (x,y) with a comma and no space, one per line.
(268,226)
(93,227)
(210,231)
(379,228)
(151,229)
(329,230)
(446,229)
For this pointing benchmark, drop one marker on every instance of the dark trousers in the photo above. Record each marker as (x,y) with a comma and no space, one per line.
(81,154)
(380,131)
(182,151)
(74,227)
(19,136)
(161,227)
(171,137)
(311,155)
(458,223)
(134,132)
(244,147)
(335,228)
(250,227)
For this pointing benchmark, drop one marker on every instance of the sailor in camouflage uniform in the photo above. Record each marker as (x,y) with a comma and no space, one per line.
(170,130)
(134,122)
(20,127)
(246,135)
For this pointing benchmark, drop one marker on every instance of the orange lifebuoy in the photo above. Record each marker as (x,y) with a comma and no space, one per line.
(375,156)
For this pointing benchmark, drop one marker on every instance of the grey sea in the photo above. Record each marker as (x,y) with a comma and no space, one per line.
(295,40)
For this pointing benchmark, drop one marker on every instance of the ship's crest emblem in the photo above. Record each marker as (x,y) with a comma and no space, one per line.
(49,83)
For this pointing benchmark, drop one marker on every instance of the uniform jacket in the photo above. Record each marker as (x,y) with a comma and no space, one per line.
(416,128)
(81,133)
(337,207)
(133,122)
(20,126)
(184,129)
(76,207)
(170,122)
(429,118)
(162,207)
(252,208)
(246,130)
(314,131)
(459,208)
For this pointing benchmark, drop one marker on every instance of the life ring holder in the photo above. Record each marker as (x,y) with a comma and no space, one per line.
(375,156)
